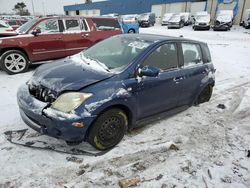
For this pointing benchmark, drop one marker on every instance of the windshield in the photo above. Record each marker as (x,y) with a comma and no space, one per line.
(3,24)
(175,18)
(119,55)
(25,27)
(203,18)
(144,17)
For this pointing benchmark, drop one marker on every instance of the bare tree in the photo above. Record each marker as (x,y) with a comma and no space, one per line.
(20,8)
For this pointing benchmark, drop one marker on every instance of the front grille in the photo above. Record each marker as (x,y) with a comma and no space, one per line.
(202,24)
(42,93)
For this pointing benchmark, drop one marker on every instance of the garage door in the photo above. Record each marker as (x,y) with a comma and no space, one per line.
(176,7)
(157,9)
(197,7)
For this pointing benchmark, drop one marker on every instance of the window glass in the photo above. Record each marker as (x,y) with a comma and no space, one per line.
(72,25)
(49,26)
(106,24)
(191,54)
(165,57)
(85,27)
(12,23)
(118,55)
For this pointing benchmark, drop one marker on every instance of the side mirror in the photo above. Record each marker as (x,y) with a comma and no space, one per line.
(149,71)
(36,31)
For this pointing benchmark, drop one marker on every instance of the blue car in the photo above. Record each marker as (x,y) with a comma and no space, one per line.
(129,24)
(116,85)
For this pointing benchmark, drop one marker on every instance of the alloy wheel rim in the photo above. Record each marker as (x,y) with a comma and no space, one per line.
(15,62)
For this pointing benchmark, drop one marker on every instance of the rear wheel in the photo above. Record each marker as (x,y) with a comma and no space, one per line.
(14,62)
(108,130)
(205,95)
(131,31)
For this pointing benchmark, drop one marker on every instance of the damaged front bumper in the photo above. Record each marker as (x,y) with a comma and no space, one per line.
(40,117)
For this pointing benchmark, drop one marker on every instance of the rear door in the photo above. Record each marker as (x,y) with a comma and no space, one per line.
(76,35)
(105,27)
(159,94)
(49,43)
(192,73)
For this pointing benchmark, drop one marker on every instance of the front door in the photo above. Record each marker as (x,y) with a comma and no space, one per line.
(159,94)
(48,44)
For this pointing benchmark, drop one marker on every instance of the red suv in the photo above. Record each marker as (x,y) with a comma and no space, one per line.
(53,38)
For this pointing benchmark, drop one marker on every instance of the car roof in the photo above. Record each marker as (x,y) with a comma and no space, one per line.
(158,38)
(62,17)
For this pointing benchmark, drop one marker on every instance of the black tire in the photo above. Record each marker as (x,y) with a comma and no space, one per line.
(131,31)
(9,59)
(108,130)
(205,95)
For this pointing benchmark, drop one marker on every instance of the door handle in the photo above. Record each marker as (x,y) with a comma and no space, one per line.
(177,79)
(85,35)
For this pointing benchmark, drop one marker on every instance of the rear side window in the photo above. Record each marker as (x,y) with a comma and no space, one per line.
(106,24)
(191,54)
(72,25)
(165,57)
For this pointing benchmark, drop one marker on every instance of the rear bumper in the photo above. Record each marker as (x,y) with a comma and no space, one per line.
(35,116)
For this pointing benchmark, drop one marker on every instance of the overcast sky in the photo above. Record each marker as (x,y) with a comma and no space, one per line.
(50,6)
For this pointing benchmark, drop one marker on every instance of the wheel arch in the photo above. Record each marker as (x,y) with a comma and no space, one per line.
(2,51)
(123,107)
(209,84)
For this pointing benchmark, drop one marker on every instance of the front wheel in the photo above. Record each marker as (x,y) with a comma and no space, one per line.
(108,130)
(14,62)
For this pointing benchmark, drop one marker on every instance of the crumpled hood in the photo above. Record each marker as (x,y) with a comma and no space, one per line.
(224,19)
(69,74)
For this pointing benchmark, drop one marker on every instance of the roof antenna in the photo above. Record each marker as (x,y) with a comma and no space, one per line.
(181,36)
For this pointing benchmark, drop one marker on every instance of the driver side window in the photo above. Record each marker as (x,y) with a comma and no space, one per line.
(164,57)
(49,26)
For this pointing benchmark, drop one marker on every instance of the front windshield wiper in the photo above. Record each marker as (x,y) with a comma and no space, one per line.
(99,63)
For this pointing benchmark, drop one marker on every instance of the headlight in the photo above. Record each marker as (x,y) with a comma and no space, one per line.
(70,101)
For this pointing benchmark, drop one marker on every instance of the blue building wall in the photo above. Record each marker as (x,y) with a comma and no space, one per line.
(121,6)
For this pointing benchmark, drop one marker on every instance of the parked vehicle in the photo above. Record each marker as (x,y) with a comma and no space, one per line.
(176,22)
(223,23)
(6,30)
(16,23)
(224,20)
(119,83)
(202,22)
(146,19)
(53,38)
(187,18)
(166,18)
(246,19)
(129,24)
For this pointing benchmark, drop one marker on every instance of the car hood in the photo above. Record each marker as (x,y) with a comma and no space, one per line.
(69,74)
(225,19)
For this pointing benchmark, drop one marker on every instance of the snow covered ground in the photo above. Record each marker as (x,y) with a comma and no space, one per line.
(212,142)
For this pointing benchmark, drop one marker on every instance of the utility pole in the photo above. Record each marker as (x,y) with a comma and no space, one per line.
(33,9)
